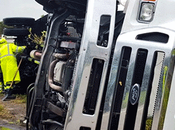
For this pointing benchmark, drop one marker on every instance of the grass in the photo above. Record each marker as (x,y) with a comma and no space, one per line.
(164,107)
(148,124)
(1,108)
(4,114)
(20,99)
(4,128)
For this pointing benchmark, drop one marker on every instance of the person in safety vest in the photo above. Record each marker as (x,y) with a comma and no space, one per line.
(9,66)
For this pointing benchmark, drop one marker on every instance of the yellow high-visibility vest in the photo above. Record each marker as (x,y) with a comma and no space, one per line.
(9,62)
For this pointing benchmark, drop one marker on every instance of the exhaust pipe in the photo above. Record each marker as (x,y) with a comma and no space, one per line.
(50,77)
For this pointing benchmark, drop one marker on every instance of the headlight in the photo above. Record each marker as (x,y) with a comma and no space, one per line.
(146,12)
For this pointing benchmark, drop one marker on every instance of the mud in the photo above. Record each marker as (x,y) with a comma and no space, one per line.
(12,114)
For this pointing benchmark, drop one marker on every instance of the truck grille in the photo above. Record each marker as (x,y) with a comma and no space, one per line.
(131,101)
(139,82)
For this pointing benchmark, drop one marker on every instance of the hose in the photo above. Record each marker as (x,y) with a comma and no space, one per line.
(50,77)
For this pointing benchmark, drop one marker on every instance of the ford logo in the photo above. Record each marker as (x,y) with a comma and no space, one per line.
(134,94)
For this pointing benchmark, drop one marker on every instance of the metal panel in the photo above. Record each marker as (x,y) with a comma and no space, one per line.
(88,51)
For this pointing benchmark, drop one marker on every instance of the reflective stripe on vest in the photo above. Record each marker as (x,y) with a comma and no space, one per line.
(18,48)
(8,50)
(7,55)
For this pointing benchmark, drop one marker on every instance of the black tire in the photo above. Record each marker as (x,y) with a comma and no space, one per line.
(77,5)
(15,31)
(18,21)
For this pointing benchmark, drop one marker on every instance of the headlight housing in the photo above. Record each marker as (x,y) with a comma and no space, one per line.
(146,12)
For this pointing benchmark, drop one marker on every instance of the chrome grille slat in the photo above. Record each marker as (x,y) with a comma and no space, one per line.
(127,89)
(160,93)
(155,89)
(145,84)
(110,92)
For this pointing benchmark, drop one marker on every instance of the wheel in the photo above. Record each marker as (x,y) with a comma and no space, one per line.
(18,21)
(78,5)
(15,31)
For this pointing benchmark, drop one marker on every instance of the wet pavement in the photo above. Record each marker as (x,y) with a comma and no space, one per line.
(8,126)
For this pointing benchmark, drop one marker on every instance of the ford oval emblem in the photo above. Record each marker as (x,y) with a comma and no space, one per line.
(134,94)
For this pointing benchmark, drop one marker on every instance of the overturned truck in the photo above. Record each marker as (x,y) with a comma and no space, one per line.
(105,69)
